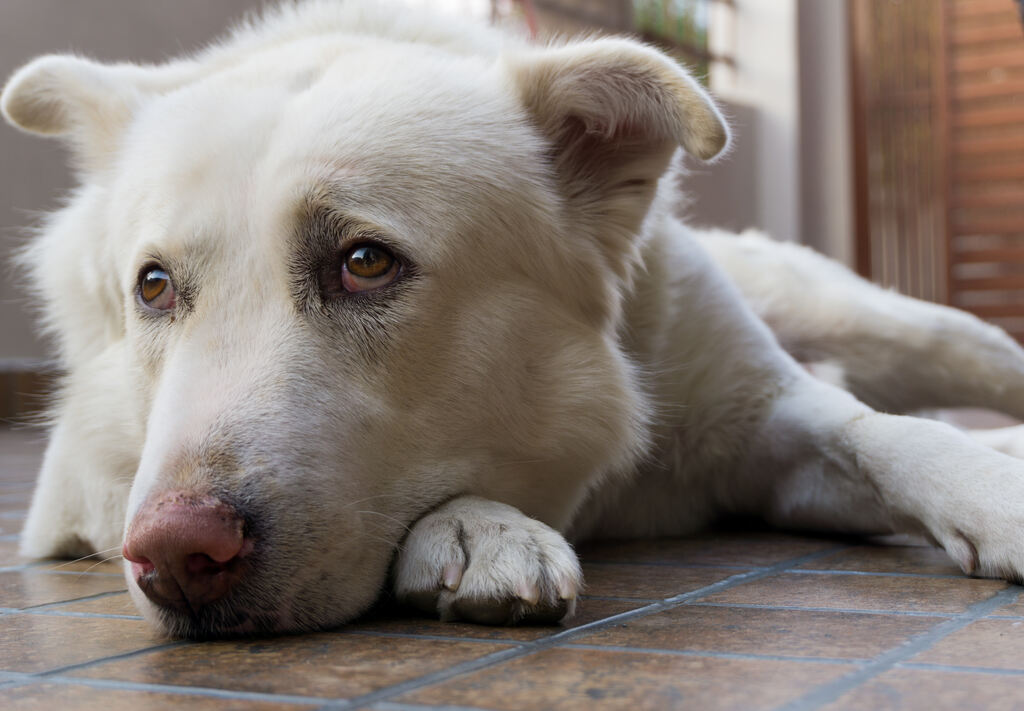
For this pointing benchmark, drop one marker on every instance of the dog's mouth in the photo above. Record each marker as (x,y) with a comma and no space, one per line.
(219,600)
(199,568)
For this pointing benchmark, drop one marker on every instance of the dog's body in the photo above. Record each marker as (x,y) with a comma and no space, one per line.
(550,353)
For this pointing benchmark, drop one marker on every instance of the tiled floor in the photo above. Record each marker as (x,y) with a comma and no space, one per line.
(734,620)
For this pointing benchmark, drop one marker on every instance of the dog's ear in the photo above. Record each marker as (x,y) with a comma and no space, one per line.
(615,111)
(85,102)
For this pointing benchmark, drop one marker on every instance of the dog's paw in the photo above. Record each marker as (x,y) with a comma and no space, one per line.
(481,561)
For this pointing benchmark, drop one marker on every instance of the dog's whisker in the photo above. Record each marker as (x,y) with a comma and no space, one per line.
(84,557)
(384,515)
(101,562)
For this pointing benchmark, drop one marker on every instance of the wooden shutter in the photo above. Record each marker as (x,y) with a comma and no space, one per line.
(938,89)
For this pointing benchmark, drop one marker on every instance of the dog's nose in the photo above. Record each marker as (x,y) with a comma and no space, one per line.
(186,550)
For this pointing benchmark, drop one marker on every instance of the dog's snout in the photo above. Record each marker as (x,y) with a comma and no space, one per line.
(186,550)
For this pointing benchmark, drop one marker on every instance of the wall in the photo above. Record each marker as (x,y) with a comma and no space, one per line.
(761,36)
(826,144)
(32,170)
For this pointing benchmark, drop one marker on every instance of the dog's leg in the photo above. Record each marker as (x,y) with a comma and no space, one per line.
(78,507)
(893,352)
(836,464)
(486,562)
(1008,440)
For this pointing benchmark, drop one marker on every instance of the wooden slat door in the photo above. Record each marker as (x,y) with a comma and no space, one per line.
(986,79)
(949,227)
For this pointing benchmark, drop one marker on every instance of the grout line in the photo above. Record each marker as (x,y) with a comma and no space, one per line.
(855,611)
(831,691)
(614,598)
(668,564)
(392,706)
(717,655)
(868,573)
(959,669)
(32,609)
(254,696)
(434,637)
(113,658)
(544,643)
(46,566)
(9,538)
(69,613)
(13,683)
(80,572)
(13,515)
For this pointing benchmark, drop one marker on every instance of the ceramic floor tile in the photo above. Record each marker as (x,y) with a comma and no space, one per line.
(9,555)
(335,665)
(577,679)
(926,560)
(647,581)
(744,549)
(862,592)
(92,565)
(119,604)
(926,690)
(48,697)
(998,644)
(1015,608)
(406,622)
(29,588)
(798,633)
(35,643)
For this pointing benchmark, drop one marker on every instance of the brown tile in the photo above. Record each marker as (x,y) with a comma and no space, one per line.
(35,643)
(743,549)
(570,679)
(9,554)
(1013,609)
(862,592)
(10,526)
(799,633)
(402,621)
(647,581)
(998,644)
(327,664)
(120,604)
(926,690)
(28,588)
(926,560)
(47,697)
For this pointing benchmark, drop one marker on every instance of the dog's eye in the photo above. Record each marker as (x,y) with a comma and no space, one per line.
(155,289)
(367,267)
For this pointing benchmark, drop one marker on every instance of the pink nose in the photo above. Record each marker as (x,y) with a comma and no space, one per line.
(186,549)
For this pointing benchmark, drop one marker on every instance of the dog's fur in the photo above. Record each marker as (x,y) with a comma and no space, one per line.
(561,357)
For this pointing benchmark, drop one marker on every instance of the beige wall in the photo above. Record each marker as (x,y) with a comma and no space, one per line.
(32,170)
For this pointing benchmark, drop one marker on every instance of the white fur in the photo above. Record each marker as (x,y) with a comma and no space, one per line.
(563,354)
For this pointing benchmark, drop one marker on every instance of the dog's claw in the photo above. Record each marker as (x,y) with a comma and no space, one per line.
(528,593)
(452,576)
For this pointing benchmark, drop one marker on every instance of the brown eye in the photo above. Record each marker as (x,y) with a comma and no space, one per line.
(155,289)
(367,267)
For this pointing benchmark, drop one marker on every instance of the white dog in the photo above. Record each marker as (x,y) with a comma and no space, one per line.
(357,291)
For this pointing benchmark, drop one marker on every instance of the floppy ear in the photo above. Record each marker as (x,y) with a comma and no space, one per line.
(86,102)
(615,111)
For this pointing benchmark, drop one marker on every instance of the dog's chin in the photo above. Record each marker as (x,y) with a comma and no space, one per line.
(238,615)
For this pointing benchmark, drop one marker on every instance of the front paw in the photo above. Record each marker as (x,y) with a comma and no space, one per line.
(478,560)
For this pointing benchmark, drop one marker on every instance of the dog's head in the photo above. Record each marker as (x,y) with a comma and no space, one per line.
(352,274)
